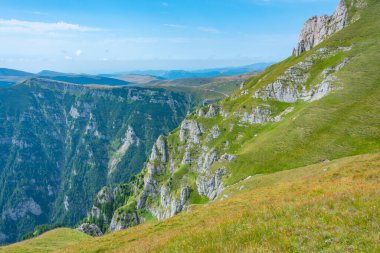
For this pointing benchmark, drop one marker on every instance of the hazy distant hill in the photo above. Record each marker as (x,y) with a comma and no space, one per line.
(85,79)
(179,74)
(10,77)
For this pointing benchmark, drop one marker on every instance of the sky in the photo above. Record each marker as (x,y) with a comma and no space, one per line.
(106,36)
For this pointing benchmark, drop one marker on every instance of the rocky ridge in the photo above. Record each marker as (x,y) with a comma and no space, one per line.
(191,165)
(317,29)
(60,143)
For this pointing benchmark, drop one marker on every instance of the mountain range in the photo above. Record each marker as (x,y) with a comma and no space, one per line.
(287,162)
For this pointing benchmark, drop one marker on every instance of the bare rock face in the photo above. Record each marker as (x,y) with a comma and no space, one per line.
(291,85)
(211,185)
(159,150)
(123,220)
(212,111)
(22,209)
(318,29)
(190,131)
(129,140)
(90,229)
(170,204)
(104,197)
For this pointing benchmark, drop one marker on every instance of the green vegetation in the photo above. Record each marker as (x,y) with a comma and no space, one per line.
(329,207)
(267,204)
(49,241)
(56,146)
(340,124)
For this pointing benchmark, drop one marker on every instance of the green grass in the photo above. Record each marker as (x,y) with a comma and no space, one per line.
(326,207)
(49,241)
(343,123)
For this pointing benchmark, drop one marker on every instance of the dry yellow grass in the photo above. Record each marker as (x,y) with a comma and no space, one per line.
(327,207)
(49,241)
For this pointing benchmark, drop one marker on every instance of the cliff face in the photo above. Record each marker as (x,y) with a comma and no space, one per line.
(317,29)
(60,143)
(206,154)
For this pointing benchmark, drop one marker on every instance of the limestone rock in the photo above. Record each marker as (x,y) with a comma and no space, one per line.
(318,29)
(211,185)
(212,111)
(190,131)
(159,150)
(228,157)
(214,133)
(90,229)
(170,205)
(122,220)
(260,115)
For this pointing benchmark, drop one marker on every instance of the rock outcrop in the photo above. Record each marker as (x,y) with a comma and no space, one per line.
(211,185)
(318,29)
(90,229)
(123,220)
(292,84)
(192,165)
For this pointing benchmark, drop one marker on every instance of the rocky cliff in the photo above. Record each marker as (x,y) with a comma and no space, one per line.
(204,156)
(60,143)
(317,29)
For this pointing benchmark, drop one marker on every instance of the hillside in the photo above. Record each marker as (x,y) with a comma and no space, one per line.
(9,77)
(320,105)
(329,207)
(60,143)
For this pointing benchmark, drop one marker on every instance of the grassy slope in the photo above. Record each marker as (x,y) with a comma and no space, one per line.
(329,207)
(49,241)
(342,124)
(339,208)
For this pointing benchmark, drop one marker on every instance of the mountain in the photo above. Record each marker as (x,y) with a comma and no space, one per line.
(181,74)
(315,208)
(289,162)
(317,97)
(9,77)
(83,79)
(60,143)
(136,79)
(13,72)
(50,72)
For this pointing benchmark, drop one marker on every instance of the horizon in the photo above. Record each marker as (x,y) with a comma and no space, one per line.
(136,71)
(121,36)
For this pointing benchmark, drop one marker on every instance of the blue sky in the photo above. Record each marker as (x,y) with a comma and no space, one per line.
(98,36)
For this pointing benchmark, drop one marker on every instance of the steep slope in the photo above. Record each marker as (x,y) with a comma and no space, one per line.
(320,105)
(60,143)
(326,207)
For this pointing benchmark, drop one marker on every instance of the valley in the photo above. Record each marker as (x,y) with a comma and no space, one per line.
(280,160)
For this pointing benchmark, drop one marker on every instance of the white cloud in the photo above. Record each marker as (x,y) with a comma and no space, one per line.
(68,58)
(208,29)
(14,25)
(78,52)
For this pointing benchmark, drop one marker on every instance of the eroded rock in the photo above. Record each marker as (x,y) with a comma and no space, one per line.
(90,229)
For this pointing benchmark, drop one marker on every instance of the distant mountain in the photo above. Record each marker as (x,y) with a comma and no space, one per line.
(13,72)
(9,77)
(60,143)
(84,79)
(137,79)
(179,74)
(50,72)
